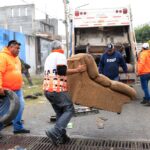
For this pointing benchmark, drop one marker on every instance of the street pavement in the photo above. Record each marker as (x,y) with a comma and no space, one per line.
(132,124)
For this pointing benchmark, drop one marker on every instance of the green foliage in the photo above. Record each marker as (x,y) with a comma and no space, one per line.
(148,42)
(142,33)
(37,85)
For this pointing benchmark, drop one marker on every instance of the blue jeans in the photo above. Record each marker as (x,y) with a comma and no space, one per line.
(144,84)
(64,109)
(17,124)
(116,78)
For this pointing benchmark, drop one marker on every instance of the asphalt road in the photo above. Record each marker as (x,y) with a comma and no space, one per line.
(132,124)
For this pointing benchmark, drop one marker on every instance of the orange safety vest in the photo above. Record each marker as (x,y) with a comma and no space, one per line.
(10,71)
(143,64)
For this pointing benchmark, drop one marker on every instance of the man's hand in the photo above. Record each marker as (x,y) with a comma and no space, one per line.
(127,76)
(81,68)
(2,91)
(137,75)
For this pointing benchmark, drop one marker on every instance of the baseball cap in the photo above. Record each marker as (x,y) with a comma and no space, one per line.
(13,42)
(109,47)
(145,45)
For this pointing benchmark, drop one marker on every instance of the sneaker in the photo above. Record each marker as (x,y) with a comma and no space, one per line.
(147,104)
(144,102)
(21,131)
(53,138)
(65,139)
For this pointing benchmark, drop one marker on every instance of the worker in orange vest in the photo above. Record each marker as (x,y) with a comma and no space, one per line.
(11,79)
(143,70)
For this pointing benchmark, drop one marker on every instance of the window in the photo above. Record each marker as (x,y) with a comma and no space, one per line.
(26,11)
(19,13)
(12,12)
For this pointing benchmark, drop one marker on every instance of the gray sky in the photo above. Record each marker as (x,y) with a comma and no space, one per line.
(55,8)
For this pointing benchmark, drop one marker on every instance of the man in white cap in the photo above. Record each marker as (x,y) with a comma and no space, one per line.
(143,70)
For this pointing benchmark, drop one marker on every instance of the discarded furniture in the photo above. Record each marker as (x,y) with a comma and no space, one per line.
(95,90)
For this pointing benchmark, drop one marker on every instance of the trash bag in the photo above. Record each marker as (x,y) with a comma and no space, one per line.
(9,107)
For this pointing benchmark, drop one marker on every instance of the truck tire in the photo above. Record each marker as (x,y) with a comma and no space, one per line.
(9,107)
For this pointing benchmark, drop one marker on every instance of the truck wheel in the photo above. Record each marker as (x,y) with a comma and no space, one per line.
(9,107)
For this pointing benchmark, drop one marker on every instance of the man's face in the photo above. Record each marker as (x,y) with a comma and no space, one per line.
(110,51)
(14,49)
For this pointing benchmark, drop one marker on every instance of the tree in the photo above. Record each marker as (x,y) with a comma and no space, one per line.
(142,33)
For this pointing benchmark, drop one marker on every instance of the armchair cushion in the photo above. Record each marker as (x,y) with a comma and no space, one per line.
(92,89)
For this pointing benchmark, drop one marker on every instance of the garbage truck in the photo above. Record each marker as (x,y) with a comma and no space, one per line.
(93,29)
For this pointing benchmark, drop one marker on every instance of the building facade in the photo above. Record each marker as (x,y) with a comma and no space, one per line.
(21,18)
(18,22)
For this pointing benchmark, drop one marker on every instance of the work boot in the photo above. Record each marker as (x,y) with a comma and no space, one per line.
(144,102)
(21,131)
(54,139)
(65,139)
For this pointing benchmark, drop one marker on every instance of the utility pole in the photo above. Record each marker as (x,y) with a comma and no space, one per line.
(66,25)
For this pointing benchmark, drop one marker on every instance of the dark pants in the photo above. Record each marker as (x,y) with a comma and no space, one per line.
(144,84)
(64,109)
(28,77)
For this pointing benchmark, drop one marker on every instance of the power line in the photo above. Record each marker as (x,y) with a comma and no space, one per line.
(37,8)
(44,12)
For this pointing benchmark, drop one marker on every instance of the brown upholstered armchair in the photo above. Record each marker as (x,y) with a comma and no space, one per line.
(95,90)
